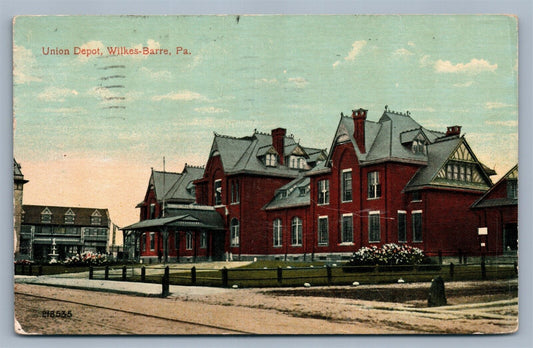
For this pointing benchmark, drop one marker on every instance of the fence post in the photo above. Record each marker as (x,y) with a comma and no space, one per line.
(106,276)
(165,285)
(167,272)
(124,269)
(452,266)
(460,256)
(193,275)
(40,270)
(483,270)
(328,270)
(515,264)
(440,257)
(280,274)
(31,269)
(91,272)
(143,274)
(224,276)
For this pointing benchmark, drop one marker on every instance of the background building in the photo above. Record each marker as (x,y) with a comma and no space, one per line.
(18,187)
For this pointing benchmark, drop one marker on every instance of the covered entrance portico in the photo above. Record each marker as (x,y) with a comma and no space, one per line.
(202,228)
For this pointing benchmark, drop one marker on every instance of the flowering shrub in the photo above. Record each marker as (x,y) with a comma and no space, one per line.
(388,254)
(87,258)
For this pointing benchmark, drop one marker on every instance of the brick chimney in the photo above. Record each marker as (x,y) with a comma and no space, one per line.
(278,141)
(359,117)
(453,130)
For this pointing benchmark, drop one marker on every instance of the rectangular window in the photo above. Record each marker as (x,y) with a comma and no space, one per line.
(203,240)
(374,227)
(218,192)
(69,219)
(323,192)
(270,160)
(415,196)
(188,240)
(235,232)
(235,192)
(152,241)
(417,225)
(402,226)
(347,185)
(512,189)
(277,232)
(296,231)
(46,218)
(347,229)
(323,235)
(152,211)
(374,187)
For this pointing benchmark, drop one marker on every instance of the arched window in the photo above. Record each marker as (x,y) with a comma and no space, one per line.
(296,231)
(234,230)
(277,230)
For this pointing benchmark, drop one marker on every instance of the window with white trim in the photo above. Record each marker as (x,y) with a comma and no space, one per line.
(346,185)
(277,232)
(402,226)
(347,228)
(323,191)
(417,225)
(152,241)
(203,240)
(374,187)
(217,186)
(235,232)
(296,231)
(271,160)
(188,240)
(323,234)
(374,227)
(235,198)
(512,188)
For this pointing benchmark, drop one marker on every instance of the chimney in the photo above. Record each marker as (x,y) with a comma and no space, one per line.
(359,117)
(278,141)
(453,130)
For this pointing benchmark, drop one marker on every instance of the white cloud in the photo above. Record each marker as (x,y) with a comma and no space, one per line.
(474,66)
(267,81)
(403,52)
(209,110)
(357,46)
(91,45)
(77,110)
(299,82)
(56,94)
(425,61)
(157,75)
(180,95)
(497,105)
(151,44)
(465,84)
(511,123)
(411,43)
(23,61)
(426,109)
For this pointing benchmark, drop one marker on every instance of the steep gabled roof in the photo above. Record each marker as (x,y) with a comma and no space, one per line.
(163,182)
(181,191)
(489,200)
(245,155)
(294,194)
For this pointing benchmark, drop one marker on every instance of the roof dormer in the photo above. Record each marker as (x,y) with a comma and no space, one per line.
(46,216)
(69,216)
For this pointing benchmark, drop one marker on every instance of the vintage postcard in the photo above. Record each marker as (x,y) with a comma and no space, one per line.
(239,174)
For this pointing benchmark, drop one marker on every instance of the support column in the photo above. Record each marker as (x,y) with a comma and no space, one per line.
(209,245)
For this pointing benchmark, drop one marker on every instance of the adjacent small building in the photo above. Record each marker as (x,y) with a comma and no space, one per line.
(72,229)
(18,188)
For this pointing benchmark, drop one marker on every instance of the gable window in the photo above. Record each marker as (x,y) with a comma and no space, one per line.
(152,211)
(301,163)
(218,192)
(374,187)
(512,189)
(458,171)
(235,233)
(323,192)
(374,227)
(235,198)
(96,220)
(271,160)
(296,231)
(402,226)
(347,228)
(152,241)
(347,185)
(188,240)
(277,232)
(323,235)
(46,216)
(417,225)
(203,240)
(418,146)
(69,217)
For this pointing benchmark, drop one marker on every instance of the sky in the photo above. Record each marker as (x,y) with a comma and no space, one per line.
(87,129)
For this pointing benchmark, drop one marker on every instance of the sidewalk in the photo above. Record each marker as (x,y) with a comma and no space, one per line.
(120,287)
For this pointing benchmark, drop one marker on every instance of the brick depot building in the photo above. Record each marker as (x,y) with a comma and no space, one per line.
(268,196)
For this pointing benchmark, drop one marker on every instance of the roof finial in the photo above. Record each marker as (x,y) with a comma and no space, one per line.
(386,108)
(408,113)
(342,114)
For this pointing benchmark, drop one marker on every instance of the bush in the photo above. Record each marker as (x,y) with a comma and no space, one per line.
(389,254)
(87,258)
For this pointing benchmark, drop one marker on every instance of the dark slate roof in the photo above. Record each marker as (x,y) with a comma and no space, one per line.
(244,154)
(181,192)
(209,217)
(32,215)
(163,182)
(486,202)
(293,196)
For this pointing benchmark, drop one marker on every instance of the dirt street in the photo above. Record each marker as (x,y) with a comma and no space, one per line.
(271,311)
